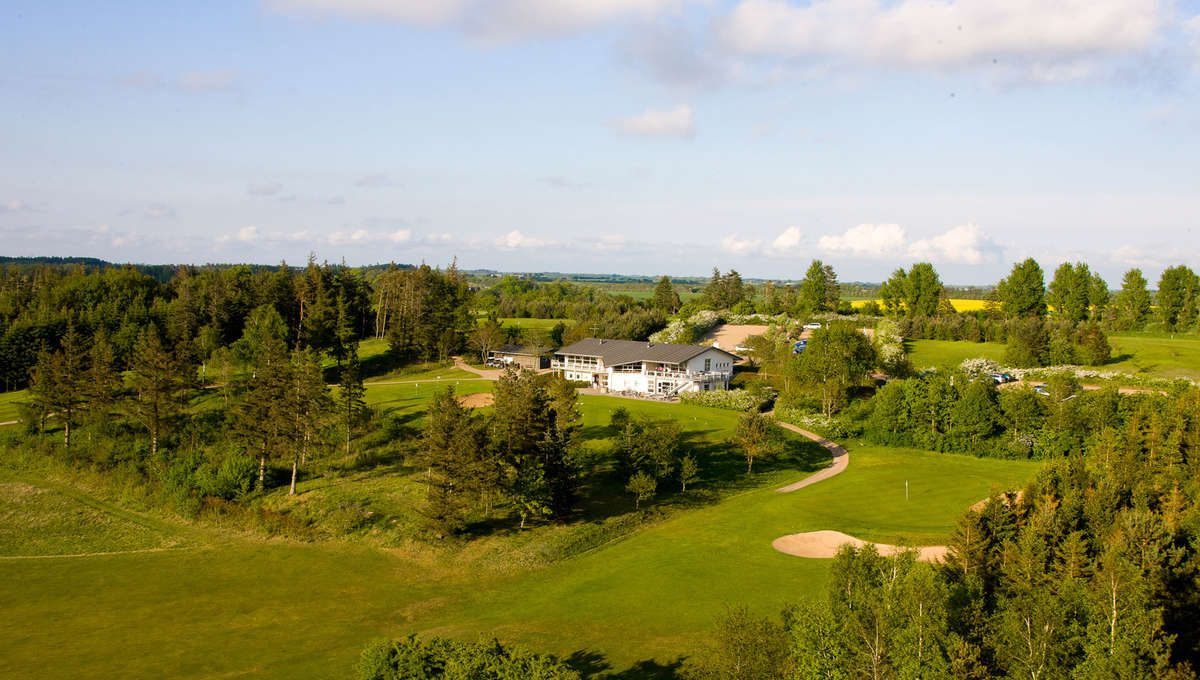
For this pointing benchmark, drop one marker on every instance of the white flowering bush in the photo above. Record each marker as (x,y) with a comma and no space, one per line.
(733,400)
(686,331)
(977,368)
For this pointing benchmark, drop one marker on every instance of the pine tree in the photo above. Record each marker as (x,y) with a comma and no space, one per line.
(351,394)
(156,385)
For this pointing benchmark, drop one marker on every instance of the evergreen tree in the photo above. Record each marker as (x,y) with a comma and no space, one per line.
(156,385)
(351,394)
(665,297)
(1177,288)
(449,448)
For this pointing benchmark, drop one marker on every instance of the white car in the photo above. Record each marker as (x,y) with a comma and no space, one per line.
(812,326)
(742,348)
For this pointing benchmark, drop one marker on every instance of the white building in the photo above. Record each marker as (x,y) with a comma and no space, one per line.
(645,367)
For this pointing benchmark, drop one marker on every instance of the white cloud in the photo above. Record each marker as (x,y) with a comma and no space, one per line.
(247,234)
(866,240)
(677,122)
(419,12)
(400,236)
(341,238)
(489,21)
(160,211)
(966,244)
(515,239)
(786,242)
(1045,40)
(737,246)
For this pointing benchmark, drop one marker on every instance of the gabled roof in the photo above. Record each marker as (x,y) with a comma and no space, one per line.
(616,352)
(516,349)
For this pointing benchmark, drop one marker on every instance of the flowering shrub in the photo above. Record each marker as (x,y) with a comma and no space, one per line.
(734,400)
(686,331)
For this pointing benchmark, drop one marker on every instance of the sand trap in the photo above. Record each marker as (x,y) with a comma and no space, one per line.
(825,544)
(728,336)
(477,400)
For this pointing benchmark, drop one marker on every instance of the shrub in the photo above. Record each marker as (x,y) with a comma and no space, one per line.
(733,400)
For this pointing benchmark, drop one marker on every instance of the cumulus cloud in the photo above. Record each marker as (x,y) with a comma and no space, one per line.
(489,21)
(1044,40)
(788,241)
(966,244)
(264,189)
(515,239)
(677,122)
(738,246)
(400,236)
(866,240)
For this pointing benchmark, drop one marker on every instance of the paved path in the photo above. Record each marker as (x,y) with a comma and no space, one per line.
(841,458)
(488,374)
(9,422)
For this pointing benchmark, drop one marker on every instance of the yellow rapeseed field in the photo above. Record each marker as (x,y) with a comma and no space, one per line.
(960,304)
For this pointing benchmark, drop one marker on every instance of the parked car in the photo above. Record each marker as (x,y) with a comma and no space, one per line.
(743,348)
(799,347)
(1040,388)
(812,326)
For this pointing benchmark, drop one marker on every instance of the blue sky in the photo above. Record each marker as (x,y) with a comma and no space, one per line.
(624,136)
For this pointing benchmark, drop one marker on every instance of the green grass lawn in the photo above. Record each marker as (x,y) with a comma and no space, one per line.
(1161,355)
(942,353)
(1155,355)
(8,405)
(236,607)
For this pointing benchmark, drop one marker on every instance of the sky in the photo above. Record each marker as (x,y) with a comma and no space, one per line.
(606,136)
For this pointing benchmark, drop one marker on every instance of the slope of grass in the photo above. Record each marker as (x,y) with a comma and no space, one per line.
(40,519)
(1160,355)
(275,609)
(9,409)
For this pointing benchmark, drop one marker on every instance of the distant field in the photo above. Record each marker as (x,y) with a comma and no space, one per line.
(960,304)
(536,324)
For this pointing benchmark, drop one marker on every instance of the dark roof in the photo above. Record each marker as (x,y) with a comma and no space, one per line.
(616,352)
(516,349)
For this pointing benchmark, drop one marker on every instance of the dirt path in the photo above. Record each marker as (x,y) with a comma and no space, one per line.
(841,458)
(10,422)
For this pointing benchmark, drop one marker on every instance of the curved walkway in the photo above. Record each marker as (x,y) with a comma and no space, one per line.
(491,374)
(841,458)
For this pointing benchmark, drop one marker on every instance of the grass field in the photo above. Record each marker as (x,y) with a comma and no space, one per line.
(226,606)
(1160,356)
(8,405)
(943,353)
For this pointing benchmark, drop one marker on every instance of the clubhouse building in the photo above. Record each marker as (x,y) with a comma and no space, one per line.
(645,368)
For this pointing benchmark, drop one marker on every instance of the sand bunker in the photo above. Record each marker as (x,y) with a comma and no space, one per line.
(477,400)
(825,544)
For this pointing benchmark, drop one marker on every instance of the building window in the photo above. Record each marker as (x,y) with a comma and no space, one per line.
(708,364)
